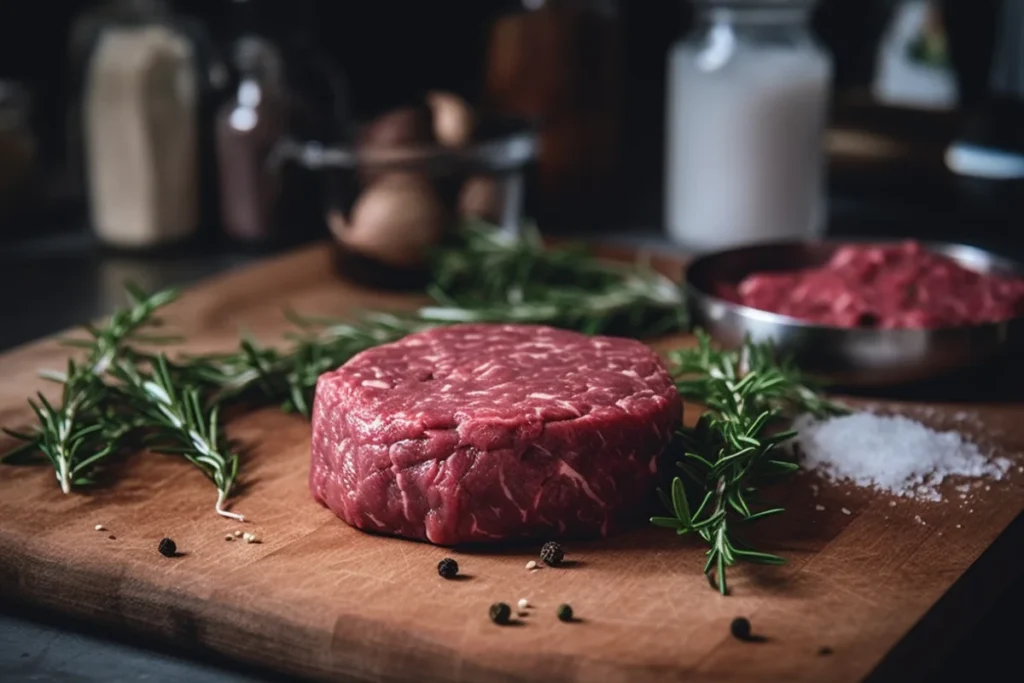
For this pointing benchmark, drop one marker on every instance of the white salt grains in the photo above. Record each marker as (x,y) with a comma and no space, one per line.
(890,453)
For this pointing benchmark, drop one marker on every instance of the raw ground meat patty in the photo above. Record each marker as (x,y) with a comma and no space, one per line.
(479,433)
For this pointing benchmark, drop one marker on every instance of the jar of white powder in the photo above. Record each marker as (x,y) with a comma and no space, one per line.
(747,99)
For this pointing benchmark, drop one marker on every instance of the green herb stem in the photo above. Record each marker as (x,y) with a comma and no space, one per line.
(730,450)
(77,434)
(177,423)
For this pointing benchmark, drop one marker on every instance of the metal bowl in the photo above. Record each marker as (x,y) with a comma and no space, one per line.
(845,356)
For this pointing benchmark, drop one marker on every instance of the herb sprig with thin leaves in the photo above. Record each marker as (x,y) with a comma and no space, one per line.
(733,446)
(83,429)
(489,275)
(267,374)
(175,421)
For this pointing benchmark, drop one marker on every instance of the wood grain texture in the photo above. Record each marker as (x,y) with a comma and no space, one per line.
(318,599)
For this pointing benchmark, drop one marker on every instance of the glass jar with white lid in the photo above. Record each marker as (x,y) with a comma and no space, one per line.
(746,107)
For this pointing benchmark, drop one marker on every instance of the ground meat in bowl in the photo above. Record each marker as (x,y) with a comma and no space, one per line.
(890,286)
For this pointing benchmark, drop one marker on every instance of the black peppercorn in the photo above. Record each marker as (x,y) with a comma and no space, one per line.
(500,613)
(564,612)
(168,548)
(448,568)
(825,651)
(552,554)
(740,628)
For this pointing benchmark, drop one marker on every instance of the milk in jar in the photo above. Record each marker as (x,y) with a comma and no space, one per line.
(747,102)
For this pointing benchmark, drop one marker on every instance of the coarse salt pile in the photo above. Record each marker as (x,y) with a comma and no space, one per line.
(890,453)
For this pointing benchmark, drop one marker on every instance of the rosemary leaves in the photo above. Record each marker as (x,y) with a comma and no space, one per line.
(87,426)
(733,445)
(176,422)
(488,275)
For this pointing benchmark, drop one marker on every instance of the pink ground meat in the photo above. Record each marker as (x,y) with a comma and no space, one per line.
(903,286)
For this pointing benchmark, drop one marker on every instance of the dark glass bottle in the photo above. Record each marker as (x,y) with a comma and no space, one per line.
(247,127)
(285,89)
(557,62)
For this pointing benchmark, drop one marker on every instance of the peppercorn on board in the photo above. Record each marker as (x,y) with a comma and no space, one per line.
(315,598)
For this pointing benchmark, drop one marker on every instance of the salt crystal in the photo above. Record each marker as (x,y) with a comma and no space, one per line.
(890,453)
(819,508)
(845,511)
(814,489)
(892,503)
(917,518)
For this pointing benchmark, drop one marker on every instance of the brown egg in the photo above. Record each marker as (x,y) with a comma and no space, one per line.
(453,118)
(481,197)
(397,221)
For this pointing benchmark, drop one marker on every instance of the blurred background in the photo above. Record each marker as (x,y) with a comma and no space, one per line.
(903,82)
(166,141)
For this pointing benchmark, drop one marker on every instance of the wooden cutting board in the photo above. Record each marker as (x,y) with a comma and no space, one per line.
(316,598)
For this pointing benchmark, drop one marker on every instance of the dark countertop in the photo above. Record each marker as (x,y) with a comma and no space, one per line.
(66,279)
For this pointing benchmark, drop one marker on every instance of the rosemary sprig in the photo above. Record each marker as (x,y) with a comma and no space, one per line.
(176,422)
(289,376)
(68,434)
(732,447)
(79,432)
(487,275)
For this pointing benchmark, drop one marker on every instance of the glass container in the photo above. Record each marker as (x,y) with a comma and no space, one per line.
(558,63)
(747,101)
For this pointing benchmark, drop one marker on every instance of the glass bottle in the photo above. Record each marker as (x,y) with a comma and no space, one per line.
(247,128)
(557,63)
(747,101)
(143,75)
